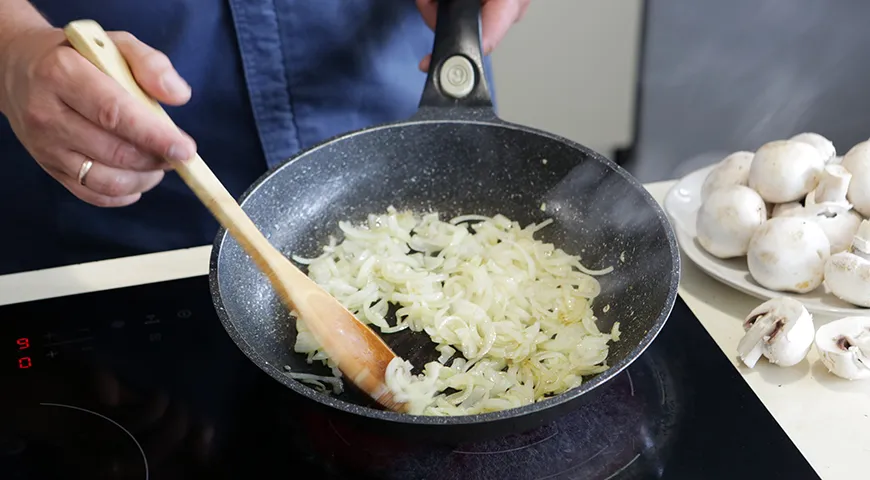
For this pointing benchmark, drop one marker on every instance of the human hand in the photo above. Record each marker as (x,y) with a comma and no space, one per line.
(496,17)
(104,145)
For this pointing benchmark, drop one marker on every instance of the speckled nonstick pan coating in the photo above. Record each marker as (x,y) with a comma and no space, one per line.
(453,157)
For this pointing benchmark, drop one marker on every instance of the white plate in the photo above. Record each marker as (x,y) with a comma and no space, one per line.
(682,203)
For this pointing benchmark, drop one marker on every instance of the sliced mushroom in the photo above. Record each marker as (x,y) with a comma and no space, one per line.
(788,254)
(785,171)
(833,187)
(857,162)
(824,146)
(847,273)
(827,206)
(731,170)
(844,347)
(727,220)
(781,329)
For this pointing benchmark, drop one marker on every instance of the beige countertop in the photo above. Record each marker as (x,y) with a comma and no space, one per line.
(827,418)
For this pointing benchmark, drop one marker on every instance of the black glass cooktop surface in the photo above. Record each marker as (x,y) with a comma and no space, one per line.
(144,383)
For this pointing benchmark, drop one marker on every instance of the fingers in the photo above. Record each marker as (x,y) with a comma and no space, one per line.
(111,181)
(424,64)
(100,99)
(104,186)
(496,17)
(83,136)
(93,197)
(429,10)
(152,69)
(524,7)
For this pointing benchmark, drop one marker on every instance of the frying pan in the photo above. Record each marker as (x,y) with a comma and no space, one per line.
(454,156)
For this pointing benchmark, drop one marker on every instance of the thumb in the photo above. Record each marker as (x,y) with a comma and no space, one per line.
(152,69)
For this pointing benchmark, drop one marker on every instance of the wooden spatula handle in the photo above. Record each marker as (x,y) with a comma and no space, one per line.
(360,353)
(92,42)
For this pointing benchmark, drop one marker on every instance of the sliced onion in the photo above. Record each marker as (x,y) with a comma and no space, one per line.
(517,310)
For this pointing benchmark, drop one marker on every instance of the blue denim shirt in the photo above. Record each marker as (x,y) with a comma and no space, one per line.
(269,77)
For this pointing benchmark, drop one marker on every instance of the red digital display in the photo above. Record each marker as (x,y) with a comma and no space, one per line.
(23,344)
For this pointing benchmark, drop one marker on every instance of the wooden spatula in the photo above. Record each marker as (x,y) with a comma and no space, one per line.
(361,355)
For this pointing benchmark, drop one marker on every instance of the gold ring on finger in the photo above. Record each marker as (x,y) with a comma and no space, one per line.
(84,169)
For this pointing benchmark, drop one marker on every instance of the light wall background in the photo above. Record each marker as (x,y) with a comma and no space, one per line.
(569,67)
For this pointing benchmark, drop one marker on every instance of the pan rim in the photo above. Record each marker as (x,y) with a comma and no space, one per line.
(467,420)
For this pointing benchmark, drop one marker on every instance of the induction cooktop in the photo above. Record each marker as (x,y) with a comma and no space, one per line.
(144,383)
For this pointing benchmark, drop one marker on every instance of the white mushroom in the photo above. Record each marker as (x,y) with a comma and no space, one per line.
(847,273)
(844,347)
(827,206)
(857,162)
(782,209)
(781,329)
(731,170)
(788,254)
(833,187)
(727,220)
(785,171)
(838,223)
(823,145)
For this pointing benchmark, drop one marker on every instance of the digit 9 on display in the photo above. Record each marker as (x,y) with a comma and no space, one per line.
(24,360)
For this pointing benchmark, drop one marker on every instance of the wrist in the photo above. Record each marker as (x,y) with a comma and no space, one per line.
(18,17)
(8,36)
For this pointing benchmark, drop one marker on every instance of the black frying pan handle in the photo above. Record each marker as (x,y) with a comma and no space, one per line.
(456,77)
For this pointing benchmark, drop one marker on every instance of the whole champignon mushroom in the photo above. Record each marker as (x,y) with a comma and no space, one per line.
(731,170)
(844,347)
(847,273)
(788,254)
(785,171)
(781,329)
(827,206)
(857,162)
(824,146)
(838,223)
(727,220)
